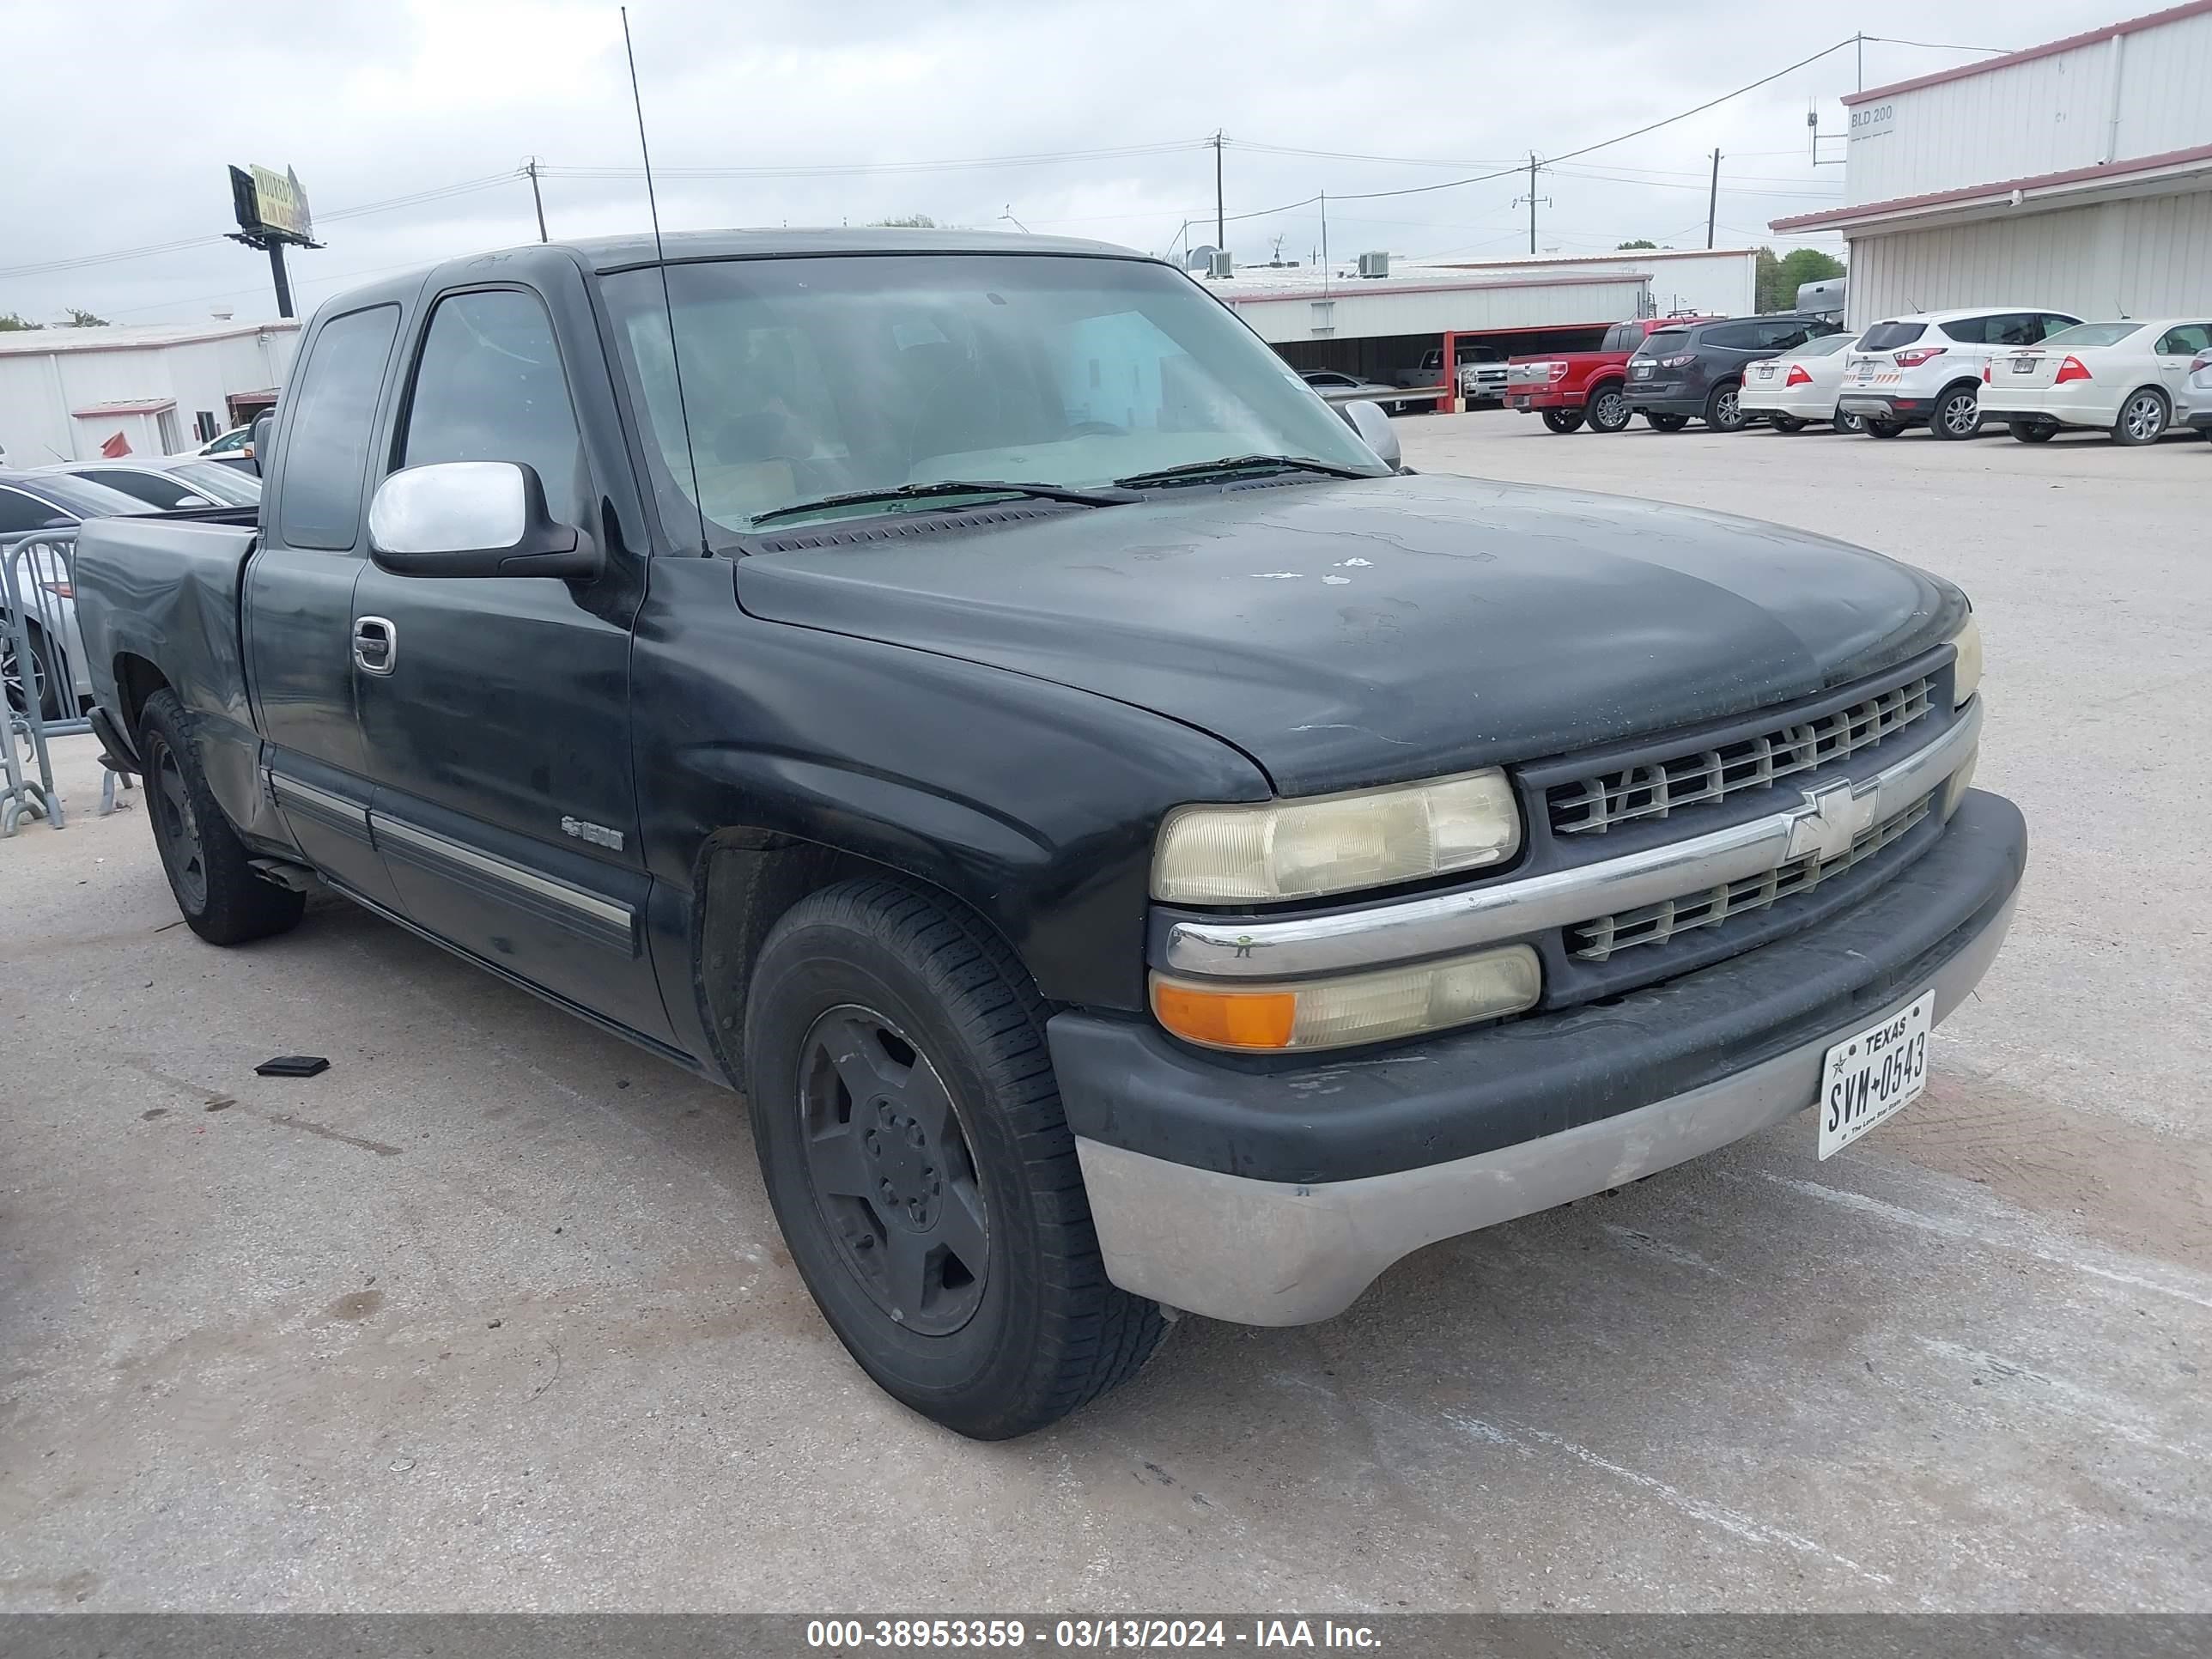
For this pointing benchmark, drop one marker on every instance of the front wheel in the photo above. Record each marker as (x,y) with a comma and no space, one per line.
(1666,423)
(223,899)
(1847,421)
(2033,432)
(1724,409)
(1958,414)
(1883,428)
(1563,420)
(1608,410)
(2143,418)
(911,1138)
(1785,423)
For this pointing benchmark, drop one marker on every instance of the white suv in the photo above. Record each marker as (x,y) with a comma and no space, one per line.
(1926,370)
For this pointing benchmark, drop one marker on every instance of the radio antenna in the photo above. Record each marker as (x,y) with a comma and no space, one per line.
(667,304)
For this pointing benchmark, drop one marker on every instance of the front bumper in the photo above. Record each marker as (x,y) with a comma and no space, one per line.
(1270,1197)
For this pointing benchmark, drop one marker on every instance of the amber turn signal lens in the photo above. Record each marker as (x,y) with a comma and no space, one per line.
(1226,1019)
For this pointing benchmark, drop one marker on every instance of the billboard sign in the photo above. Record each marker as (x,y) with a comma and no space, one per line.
(271,206)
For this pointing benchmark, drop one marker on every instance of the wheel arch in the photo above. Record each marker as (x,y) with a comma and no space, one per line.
(136,680)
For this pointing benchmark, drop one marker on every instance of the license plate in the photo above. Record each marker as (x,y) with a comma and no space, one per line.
(1642,371)
(1862,373)
(1521,403)
(1762,372)
(2023,365)
(1874,1074)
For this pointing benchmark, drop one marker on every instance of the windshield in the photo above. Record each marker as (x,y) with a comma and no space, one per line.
(817,376)
(2092,334)
(86,499)
(226,485)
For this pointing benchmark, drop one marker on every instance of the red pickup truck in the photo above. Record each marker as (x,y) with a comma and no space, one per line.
(1569,387)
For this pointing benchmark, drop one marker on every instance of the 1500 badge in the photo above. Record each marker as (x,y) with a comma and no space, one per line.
(598,834)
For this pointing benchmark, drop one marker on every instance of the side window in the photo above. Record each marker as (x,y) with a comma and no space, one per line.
(1736,337)
(1968,330)
(489,388)
(326,452)
(2052,323)
(2018,328)
(1783,335)
(19,513)
(2186,341)
(164,492)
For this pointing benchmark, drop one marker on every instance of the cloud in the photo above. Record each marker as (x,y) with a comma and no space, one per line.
(136,110)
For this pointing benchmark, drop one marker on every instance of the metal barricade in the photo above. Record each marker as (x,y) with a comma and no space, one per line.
(45,675)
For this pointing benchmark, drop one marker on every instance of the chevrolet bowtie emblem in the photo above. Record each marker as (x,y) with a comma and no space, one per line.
(1829,821)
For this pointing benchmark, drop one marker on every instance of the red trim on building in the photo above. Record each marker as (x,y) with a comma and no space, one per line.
(129,406)
(2121,169)
(2027,55)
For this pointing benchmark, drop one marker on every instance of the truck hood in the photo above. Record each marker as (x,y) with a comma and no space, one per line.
(1354,632)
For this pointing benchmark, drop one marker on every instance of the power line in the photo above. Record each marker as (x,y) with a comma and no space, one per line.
(844,169)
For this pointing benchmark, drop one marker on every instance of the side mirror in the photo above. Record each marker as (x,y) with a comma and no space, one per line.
(1373,428)
(472,519)
(257,445)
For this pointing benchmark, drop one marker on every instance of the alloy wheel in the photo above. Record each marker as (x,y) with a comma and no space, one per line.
(181,830)
(892,1171)
(1608,411)
(2145,417)
(1961,414)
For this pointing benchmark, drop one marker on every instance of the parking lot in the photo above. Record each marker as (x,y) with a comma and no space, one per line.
(494,1314)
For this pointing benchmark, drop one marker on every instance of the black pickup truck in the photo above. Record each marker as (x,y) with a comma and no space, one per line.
(1136,848)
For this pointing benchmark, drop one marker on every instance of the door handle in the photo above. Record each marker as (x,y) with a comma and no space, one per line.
(375,644)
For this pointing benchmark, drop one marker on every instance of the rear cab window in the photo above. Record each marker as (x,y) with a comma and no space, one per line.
(326,448)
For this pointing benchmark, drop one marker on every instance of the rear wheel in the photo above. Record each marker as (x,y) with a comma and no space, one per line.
(1785,423)
(1724,409)
(2033,432)
(911,1140)
(2143,418)
(1563,420)
(1608,409)
(1958,412)
(1666,423)
(1883,428)
(222,898)
(35,679)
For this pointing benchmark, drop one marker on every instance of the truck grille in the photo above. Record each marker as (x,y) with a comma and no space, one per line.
(1600,940)
(1593,804)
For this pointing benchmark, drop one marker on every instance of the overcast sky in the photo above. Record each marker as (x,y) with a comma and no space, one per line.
(122,117)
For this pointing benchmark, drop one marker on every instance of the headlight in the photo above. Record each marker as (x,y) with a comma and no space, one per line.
(1334,1013)
(1966,673)
(1335,843)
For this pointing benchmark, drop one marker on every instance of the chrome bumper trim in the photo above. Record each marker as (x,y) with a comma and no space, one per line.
(1275,1253)
(1823,821)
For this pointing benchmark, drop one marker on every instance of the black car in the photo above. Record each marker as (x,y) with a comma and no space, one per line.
(1695,369)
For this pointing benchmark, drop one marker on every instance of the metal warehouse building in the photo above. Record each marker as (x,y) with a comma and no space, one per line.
(1373,325)
(72,394)
(2076,175)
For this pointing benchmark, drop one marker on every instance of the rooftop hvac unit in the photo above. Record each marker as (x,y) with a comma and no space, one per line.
(1374,264)
(1221,262)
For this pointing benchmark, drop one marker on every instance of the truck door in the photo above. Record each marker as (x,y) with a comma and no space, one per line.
(298,598)
(495,711)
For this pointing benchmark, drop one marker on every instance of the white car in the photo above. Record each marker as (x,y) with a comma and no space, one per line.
(169,482)
(2198,417)
(2127,377)
(1926,370)
(1799,387)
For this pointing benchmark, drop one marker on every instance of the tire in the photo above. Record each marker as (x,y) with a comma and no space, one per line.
(1666,423)
(2144,417)
(2033,432)
(223,899)
(1724,409)
(1845,421)
(874,982)
(1608,409)
(39,677)
(1563,420)
(1958,413)
(1785,423)
(1881,429)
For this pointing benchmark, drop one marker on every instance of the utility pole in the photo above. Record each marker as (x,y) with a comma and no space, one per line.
(537,200)
(1713,198)
(1220,234)
(1532,198)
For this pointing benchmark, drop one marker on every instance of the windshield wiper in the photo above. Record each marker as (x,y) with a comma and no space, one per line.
(914,492)
(1192,470)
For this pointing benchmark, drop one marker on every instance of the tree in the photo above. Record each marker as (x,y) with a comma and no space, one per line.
(84,319)
(1638,242)
(13,322)
(1780,279)
(906,221)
